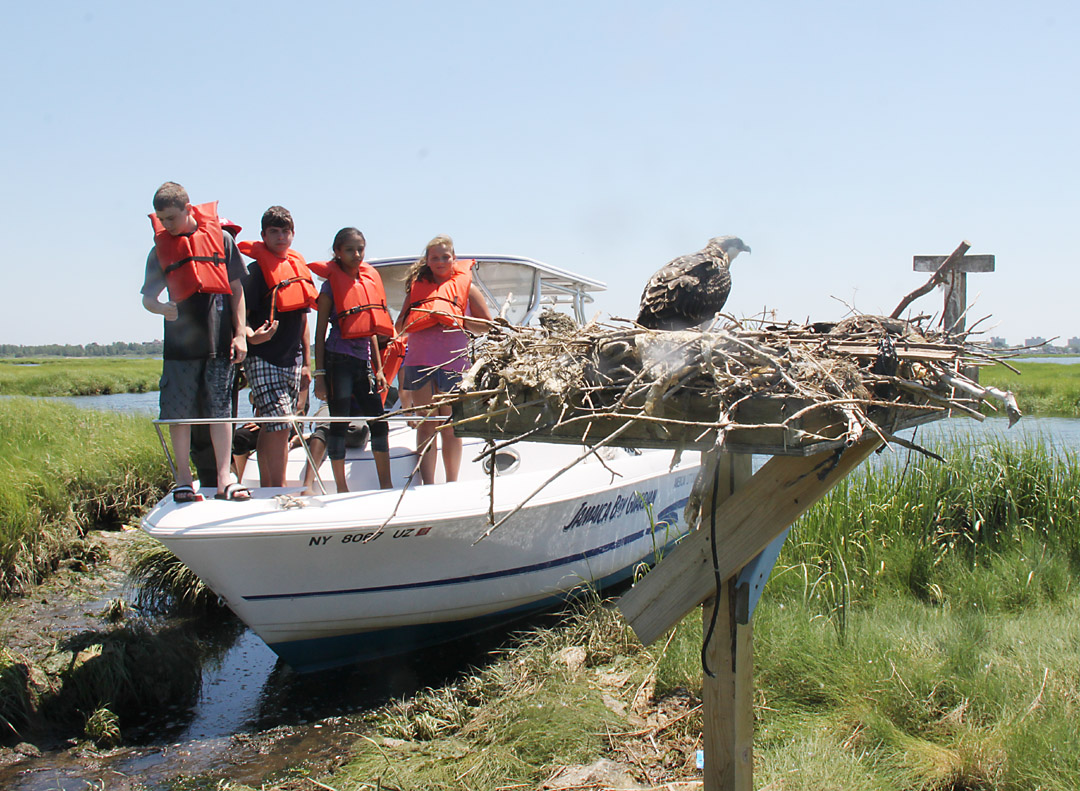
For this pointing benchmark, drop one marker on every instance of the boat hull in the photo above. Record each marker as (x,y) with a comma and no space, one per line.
(338,578)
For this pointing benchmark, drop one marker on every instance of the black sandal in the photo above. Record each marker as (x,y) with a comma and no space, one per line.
(185,494)
(236,492)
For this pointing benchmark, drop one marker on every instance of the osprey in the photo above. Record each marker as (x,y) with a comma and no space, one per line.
(691,289)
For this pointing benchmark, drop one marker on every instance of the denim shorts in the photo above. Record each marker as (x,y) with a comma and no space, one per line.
(414,377)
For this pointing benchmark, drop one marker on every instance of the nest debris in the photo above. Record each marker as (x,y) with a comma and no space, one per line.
(753,386)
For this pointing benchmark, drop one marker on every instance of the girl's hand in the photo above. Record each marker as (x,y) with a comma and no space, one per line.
(380,381)
(320,387)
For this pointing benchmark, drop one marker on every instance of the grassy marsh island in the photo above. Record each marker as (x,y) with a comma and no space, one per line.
(1042,389)
(65,376)
(63,471)
(920,631)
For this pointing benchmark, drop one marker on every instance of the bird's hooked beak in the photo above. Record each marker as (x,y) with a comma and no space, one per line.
(735,249)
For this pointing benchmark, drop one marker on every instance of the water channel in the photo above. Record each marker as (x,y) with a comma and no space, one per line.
(254,716)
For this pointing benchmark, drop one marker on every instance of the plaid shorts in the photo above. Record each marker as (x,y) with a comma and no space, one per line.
(274,390)
(196,388)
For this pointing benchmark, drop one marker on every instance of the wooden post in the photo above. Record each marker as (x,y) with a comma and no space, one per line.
(746,523)
(728,698)
(953,320)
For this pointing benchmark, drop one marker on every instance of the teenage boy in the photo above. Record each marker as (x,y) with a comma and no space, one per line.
(279,290)
(205,327)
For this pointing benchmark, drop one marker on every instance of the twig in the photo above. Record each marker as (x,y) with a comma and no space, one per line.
(934,280)
(540,488)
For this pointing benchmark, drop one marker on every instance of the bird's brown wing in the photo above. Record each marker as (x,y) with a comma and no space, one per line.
(685,292)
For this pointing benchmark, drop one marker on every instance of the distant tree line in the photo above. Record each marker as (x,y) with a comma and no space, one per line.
(116,349)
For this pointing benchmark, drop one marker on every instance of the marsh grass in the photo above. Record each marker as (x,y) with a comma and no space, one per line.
(131,669)
(1045,389)
(163,585)
(507,724)
(14,694)
(64,470)
(103,727)
(96,682)
(67,376)
(998,525)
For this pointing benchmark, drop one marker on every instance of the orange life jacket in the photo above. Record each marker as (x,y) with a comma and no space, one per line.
(288,278)
(195,262)
(390,358)
(360,301)
(430,304)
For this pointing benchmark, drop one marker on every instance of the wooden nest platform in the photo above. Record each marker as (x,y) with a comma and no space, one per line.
(768,388)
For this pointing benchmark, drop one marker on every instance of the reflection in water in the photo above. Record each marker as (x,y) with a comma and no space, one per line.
(1062,434)
(255,716)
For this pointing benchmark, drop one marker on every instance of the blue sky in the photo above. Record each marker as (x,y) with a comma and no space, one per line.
(837,139)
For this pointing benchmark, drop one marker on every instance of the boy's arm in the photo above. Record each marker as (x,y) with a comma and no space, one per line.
(239,311)
(255,293)
(166,309)
(153,285)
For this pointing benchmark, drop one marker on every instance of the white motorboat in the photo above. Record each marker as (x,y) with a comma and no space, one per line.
(330,579)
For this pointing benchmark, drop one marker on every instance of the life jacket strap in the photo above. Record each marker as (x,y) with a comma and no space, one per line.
(357,309)
(215,260)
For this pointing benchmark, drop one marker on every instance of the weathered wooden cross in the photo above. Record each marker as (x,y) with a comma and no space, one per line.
(955,282)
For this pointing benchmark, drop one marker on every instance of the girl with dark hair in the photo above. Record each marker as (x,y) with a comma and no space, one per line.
(353,303)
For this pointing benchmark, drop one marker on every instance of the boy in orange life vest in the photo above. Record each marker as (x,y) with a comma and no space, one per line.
(205,329)
(279,291)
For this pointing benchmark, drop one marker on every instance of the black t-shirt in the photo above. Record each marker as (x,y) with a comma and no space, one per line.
(204,324)
(285,349)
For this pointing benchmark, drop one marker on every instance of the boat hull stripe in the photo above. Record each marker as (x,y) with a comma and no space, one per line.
(476,577)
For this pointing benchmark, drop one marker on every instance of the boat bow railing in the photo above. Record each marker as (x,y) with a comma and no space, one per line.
(296,421)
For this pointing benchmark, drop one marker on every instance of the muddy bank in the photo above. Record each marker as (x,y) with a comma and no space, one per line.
(244,716)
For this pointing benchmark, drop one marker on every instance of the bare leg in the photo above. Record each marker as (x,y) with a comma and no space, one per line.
(451,449)
(425,431)
(318,452)
(221,436)
(382,467)
(239,461)
(181,443)
(273,450)
(338,466)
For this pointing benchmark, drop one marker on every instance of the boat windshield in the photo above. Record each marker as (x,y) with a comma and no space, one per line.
(516,288)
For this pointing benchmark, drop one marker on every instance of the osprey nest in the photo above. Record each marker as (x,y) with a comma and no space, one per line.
(756,388)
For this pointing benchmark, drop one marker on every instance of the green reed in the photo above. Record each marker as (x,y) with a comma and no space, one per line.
(66,376)
(1044,389)
(162,584)
(920,629)
(64,470)
(909,524)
